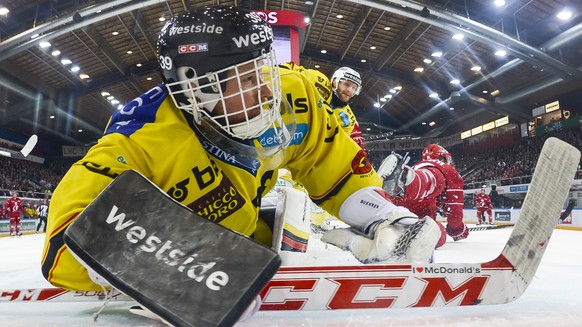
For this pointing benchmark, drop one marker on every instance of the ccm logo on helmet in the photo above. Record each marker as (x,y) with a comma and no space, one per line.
(189,48)
(212,29)
(253,38)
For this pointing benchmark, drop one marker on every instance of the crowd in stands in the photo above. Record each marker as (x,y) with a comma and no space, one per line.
(509,163)
(505,159)
(31,179)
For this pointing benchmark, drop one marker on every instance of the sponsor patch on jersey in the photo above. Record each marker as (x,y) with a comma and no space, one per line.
(219,203)
(360,164)
(192,48)
(268,138)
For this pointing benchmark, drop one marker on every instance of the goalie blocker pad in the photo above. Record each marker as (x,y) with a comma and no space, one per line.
(184,268)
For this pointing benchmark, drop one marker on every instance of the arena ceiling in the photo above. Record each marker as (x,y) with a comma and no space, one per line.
(113,43)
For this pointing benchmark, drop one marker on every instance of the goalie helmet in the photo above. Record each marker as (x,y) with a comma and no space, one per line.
(218,66)
(346,74)
(437,152)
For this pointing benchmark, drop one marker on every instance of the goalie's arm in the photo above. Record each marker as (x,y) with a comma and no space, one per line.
(80,185)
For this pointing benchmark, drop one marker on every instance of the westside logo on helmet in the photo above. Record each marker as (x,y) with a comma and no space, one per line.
(191,48)
(253,38)
(210,29)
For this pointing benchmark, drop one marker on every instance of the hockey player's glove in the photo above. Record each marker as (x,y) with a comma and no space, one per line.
(396,174)
(402,237)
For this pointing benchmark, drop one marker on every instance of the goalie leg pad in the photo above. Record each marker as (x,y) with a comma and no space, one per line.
(292,221)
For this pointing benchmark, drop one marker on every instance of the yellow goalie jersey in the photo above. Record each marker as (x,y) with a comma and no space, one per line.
(151,136)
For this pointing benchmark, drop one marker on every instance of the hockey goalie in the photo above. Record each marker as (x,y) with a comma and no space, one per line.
(165,207)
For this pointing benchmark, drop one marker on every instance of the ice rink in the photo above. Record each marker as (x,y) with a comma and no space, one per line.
(554,298)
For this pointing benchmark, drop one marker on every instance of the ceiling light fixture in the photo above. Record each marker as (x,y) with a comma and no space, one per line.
(4,11)
(564,14)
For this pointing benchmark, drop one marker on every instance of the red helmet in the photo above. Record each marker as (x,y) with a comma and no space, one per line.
(437,152)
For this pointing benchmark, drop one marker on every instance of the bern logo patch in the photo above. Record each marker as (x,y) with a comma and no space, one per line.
(360,164)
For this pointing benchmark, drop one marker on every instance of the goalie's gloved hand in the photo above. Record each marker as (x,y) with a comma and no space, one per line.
(396,174)
(401,237)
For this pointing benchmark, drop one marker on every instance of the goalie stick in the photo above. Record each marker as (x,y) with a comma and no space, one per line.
(501,280)
(24,152)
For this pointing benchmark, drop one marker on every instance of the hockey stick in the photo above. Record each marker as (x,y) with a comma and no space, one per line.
(489,227)
(501,280)
(24,152)
(563,216)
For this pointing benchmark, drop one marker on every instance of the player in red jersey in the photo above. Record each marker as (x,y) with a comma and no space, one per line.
(14,208)
(483,204)
(431,186)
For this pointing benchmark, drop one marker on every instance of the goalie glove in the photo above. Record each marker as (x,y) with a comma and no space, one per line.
(396,174)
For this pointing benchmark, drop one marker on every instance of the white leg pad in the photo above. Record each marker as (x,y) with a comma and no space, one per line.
(292,221)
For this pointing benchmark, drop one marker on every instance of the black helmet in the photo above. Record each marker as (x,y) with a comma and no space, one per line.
(201,50)
(211,39)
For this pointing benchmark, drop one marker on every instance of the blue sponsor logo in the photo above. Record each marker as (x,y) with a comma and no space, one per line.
(502,215)
(268,138)
(519,188)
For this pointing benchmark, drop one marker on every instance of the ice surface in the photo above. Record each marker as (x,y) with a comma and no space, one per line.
(554,298)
